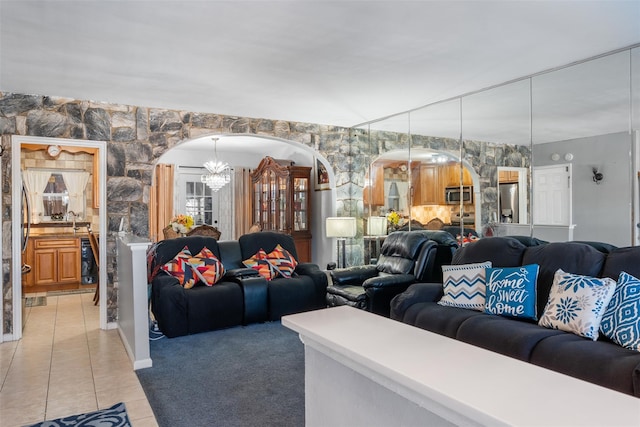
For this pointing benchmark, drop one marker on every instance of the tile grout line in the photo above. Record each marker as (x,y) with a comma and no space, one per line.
(53,339)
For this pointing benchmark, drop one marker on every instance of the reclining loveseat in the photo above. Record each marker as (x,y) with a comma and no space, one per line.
(240,296)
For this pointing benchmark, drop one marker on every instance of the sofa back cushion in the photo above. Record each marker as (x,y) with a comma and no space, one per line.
(400,251)
(576,258)
(622,259)
(267,240)
(231,255)
(501,251)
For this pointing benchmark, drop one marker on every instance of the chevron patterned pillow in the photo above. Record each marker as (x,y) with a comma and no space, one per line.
(464,285)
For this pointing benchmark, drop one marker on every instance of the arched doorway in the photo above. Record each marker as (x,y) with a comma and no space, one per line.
(245,151)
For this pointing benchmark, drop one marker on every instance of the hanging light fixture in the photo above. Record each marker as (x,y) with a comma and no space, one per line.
(219,172)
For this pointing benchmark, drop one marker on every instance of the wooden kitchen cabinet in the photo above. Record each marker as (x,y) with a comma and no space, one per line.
(373,194)
(508,176)
(452,173)
(55,264)
(427,185)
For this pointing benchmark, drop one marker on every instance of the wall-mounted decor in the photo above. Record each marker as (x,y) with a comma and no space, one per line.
(322,176)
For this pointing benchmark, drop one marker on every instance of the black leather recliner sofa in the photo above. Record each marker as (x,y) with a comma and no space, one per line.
(241,297)
(405,257)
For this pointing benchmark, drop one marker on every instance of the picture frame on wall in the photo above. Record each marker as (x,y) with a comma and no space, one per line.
(322,176)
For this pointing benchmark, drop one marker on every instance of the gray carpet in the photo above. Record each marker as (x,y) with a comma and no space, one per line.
(242,376)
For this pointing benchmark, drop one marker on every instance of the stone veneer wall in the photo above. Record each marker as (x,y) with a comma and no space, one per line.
(136,137)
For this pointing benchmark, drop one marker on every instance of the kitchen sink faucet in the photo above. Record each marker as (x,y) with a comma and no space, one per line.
(73,216)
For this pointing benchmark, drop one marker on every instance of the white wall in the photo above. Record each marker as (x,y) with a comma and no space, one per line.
(601,212)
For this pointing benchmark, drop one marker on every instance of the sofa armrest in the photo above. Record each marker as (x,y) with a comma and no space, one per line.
(169,305)
(307,269)
(416,293)
(353,275)
(388,281)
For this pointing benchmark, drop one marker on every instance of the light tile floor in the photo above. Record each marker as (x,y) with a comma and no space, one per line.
(66,365)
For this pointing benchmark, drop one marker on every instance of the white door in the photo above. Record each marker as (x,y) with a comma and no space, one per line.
(552,195)
(196,199)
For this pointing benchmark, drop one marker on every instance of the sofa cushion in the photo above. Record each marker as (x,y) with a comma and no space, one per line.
(294,295)
(511,291)
(574,258)
(621,319)
(464,285)
(622,259)
(576,303)
(503,335)
(399,252)
(501,251)
(266,240)
(599,362)
(216,307)
(439,319)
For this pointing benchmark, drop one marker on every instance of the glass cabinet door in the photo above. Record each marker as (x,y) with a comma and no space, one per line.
(300,204)
(283,189)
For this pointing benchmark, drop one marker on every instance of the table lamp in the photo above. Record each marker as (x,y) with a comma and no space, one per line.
(377,226)
(341,227)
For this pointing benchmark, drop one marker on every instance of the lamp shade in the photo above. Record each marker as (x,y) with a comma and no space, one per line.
(376,226)
(341,226)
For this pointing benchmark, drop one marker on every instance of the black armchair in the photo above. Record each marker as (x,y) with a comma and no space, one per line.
(304,291)
(405,257)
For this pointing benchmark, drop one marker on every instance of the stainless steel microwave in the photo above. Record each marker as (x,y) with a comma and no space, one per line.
(453,195)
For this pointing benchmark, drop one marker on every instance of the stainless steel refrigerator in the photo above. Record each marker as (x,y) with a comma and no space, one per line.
(508,203)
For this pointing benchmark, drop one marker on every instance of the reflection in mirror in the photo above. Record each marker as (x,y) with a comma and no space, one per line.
(580,128)
(390,180)
(496,137)
(513,201)
(635,144)
(435,168)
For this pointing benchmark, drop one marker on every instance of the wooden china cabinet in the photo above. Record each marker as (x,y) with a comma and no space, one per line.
(281,201)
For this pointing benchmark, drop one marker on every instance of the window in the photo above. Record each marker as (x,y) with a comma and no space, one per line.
(55,198)
(197,199)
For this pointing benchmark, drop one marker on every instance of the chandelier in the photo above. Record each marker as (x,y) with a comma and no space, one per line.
(219,172)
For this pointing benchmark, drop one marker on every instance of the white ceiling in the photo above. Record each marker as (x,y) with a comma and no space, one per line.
(327,62)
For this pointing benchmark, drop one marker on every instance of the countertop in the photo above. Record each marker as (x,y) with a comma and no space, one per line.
(59,235)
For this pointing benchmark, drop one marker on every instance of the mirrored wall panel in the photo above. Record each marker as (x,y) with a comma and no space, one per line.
(554,156)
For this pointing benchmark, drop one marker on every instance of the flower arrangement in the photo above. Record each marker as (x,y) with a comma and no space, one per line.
(181,223)
(393,219)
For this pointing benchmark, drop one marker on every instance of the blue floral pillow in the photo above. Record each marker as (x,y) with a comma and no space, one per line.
(511,291)
(621,319)
(576,303)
